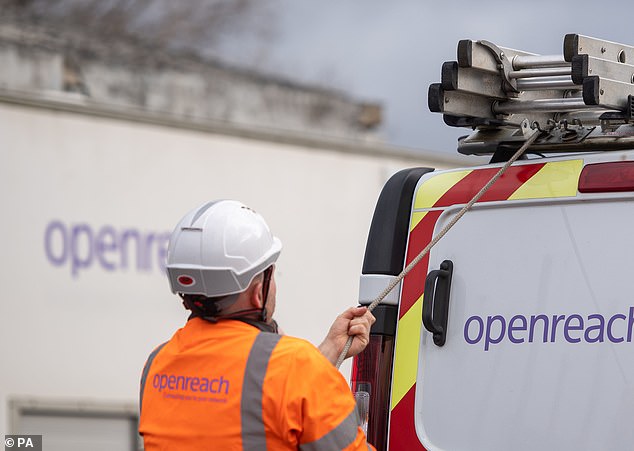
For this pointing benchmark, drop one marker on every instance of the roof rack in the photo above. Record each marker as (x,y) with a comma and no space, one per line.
(582,100)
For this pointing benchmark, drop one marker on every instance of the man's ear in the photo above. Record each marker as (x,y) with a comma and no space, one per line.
(255,295)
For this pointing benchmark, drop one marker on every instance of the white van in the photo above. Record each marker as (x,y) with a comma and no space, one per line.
(524,339)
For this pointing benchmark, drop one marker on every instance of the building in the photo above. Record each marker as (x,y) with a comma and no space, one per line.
(103,148)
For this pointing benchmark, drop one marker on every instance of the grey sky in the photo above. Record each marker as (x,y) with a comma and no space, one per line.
(390,51)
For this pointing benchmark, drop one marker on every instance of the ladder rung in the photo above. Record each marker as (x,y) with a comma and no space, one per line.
(534,61)
(539,105)
(541,72)
(537,84)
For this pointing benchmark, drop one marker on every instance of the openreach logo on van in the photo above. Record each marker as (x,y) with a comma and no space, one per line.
(81,247)
(520,329)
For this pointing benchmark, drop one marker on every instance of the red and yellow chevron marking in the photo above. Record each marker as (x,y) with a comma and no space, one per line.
(528,181)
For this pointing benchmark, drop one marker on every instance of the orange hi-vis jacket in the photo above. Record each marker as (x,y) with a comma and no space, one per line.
(230,386)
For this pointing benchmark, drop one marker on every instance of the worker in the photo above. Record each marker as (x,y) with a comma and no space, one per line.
(228,380)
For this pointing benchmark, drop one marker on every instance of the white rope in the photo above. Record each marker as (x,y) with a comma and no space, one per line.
(437,238)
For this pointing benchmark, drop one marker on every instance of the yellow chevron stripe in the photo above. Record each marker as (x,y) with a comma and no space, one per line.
(556,179)
(433,189)
(417,217)
(406,352)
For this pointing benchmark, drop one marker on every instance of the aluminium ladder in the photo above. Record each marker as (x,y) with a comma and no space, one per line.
(581,100)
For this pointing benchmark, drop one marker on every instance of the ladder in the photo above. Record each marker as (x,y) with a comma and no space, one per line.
(582,100)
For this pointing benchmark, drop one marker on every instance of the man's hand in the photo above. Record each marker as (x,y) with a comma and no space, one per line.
(356,322)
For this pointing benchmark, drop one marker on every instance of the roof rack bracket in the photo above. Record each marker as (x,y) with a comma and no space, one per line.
(504,64)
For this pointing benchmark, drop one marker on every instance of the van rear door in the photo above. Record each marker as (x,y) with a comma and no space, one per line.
(538,350)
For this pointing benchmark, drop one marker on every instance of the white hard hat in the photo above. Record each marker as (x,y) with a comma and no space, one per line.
(218,248)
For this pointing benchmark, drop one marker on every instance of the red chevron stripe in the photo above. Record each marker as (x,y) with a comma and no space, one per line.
(414,283)
(463,191)
(403,430)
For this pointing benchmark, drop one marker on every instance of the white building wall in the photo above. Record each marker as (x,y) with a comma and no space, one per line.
(81,328)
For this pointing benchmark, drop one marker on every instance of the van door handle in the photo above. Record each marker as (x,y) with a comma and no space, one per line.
(436,301)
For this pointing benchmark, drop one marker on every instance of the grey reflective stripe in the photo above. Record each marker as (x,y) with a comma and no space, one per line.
(253,436)
(146,371)
(339,438)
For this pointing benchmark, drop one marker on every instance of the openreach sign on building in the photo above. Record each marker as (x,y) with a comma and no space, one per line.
(81,246)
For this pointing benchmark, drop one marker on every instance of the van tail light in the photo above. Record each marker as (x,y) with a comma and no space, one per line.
(372,373)
(607,177)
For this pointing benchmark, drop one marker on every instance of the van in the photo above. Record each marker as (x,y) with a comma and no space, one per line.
(516,330)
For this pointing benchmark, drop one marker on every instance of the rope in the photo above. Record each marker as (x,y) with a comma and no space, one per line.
(441,234)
